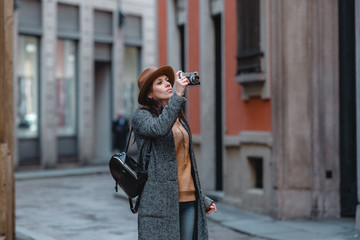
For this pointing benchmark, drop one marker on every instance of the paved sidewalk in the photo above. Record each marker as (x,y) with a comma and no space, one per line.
(267,227)
(244,222)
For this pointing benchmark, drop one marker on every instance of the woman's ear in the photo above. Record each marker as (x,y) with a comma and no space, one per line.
(150,95)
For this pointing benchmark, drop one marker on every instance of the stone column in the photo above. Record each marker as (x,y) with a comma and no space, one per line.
(7,184)
(48,138)
(118,71)
(173,38)
(86,84)
(306,108)
(207,99)
(357,66)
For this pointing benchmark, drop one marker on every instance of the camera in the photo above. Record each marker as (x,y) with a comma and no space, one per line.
(193,77)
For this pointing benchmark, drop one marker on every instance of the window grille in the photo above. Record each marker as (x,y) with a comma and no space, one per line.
(249,52)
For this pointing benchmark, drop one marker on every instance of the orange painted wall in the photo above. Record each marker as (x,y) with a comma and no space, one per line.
(252,115)
(194,64)
(162,32)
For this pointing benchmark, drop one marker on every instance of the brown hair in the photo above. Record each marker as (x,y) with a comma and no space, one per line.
(155,108)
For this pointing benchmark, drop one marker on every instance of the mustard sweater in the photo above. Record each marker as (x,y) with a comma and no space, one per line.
(185,180)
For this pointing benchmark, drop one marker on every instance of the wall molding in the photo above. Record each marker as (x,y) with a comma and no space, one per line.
(249,137)
(245,137)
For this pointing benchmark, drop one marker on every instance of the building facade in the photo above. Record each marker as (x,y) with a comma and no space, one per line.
(76,67)
(274,117)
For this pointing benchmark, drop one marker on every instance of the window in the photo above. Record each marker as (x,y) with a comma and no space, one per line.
(27,116)
(249,52)
(66,87)
(253,43)
(256,172)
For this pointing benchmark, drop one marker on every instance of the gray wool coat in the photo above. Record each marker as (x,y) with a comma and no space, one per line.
(158,215)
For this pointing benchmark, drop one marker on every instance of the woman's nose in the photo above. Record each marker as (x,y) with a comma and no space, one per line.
(167,84)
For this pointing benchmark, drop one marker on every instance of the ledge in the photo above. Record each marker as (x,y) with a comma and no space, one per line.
(255,192)
(251,78)
(196,139)
(253,85)
(249,137)
(30,31)
(245,137)
(104,39)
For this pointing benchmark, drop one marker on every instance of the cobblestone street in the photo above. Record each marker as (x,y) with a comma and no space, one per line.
(82,207)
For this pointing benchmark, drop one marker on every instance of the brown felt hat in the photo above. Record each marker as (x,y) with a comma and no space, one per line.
(149,75)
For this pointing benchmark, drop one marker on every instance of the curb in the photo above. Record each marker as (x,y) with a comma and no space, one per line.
(26,234)
(37,174)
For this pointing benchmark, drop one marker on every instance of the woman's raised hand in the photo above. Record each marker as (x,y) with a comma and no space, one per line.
(180,84)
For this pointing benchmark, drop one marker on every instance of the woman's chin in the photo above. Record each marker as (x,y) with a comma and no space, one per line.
(169,94)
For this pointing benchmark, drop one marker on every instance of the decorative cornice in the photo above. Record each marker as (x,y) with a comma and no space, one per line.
(196,139)
(245,137)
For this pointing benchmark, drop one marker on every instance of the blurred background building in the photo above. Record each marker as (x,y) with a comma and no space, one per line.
(273,122)
(76,66)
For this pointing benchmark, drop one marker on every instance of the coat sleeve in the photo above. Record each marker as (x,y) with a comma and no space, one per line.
(153,127)
(207,202)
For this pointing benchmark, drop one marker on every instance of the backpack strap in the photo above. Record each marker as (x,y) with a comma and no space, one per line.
(134,209)
(128,141)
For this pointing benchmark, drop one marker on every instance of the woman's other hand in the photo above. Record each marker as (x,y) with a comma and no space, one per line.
(211,207)
(180,84)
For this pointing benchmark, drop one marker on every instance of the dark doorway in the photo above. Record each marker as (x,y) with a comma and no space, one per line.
(182,47)
(181,29)
(102,111)
(348,178)
(218,103)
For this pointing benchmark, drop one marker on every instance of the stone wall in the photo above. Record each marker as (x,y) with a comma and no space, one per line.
(249,171)
(306,108)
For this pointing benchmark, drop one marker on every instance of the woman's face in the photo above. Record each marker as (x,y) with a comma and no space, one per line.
(161,89)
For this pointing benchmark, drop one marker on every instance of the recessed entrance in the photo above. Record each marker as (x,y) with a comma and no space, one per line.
(102,113)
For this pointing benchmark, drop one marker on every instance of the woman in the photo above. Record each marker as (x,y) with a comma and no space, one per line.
(172,205)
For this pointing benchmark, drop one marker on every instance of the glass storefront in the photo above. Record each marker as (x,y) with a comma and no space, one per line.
(66,104)
(27,116)
(131,73)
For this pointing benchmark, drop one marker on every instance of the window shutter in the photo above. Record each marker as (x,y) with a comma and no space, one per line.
(30,17)
(103,26)
(68,21)
(132,31)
